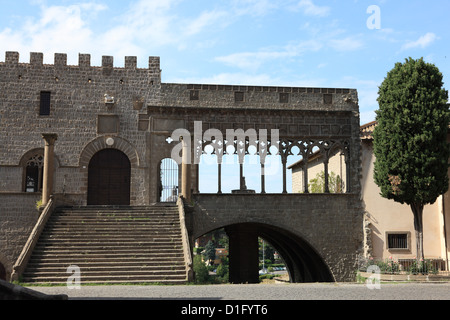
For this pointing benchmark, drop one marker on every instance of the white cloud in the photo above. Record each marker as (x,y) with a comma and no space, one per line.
(205,19)
(347,44)
(145,25)
(256,8)
(422,42)
(253,60)
(310,9)
(58,29)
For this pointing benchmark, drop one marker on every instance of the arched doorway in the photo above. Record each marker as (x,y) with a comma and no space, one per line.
(168,183)
(109,178)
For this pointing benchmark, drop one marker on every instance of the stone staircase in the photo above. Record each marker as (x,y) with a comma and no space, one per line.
(110,245)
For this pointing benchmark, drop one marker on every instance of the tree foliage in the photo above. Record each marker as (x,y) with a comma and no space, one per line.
(210,251)
(200,270)
(317,184)
(410,139)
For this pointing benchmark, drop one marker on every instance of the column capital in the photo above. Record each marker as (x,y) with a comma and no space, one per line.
(50,138)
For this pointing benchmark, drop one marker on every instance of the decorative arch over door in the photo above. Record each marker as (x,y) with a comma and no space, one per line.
(109,178)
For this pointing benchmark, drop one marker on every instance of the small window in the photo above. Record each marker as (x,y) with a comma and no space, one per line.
(239,96)
(44,109)
(194,95)
(34,173)
(284,97)
(398,241)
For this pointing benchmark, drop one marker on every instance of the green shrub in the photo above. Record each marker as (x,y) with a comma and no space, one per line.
(200,270)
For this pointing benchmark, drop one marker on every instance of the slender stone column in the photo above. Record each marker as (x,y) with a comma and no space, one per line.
(219,178)
(243,254)
(49,166)
(325,168)
(283,160)
(263,179)
(186,171)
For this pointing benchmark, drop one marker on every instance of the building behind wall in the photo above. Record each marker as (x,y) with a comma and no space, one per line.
(389,226)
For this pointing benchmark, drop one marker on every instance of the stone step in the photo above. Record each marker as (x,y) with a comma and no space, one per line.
(108,279)
(107,269)
(99,263)
(110,244)
(68,238)
(98,259)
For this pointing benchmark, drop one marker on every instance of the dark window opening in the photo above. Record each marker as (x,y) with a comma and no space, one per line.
(34,174)
(44,109)
(398,241)
(239,96)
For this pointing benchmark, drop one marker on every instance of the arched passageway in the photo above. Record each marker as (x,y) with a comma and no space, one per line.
(303,263)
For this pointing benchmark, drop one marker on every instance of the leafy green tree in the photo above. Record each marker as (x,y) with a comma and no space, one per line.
(200,270)
(410,139)
(210,251)
(222,270)
(317,184)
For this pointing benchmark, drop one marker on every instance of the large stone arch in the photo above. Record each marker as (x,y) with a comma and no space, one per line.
(118,143)
(303,262)
(105,142)
(325,228)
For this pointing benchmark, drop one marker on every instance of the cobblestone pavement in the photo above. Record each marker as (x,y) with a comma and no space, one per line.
(314,291)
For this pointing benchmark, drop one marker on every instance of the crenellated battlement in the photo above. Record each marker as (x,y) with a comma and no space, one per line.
(84,61)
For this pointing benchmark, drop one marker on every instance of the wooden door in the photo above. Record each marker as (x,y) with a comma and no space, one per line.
(109,178)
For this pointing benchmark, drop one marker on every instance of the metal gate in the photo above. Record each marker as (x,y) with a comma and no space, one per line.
(168,181)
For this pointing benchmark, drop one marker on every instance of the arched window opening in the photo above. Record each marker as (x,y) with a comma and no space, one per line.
(209,174)
(325,169)
(34,173)
(316,166)
(168,183)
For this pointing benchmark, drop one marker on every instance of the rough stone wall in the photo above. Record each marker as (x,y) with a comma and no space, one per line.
(18,215)
(330,223)
(81,118)
(78,112)
(258,97)
(142,117)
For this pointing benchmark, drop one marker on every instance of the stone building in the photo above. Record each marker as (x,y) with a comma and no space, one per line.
(389,227)
(103,135)
(391,224)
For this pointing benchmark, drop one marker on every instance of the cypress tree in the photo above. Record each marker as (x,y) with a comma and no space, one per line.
(410,139)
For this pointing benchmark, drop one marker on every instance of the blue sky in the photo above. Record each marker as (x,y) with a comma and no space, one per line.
(309,43)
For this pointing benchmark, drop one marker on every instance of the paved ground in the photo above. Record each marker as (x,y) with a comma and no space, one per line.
(315,291)
(260,301)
